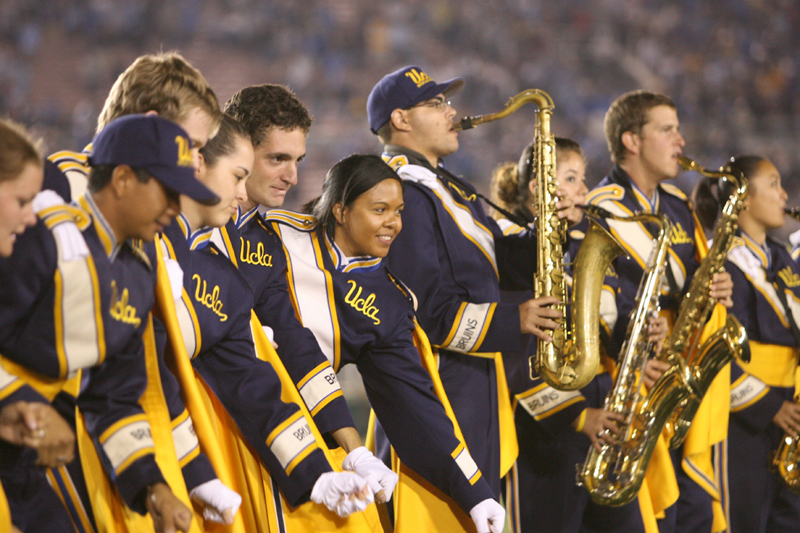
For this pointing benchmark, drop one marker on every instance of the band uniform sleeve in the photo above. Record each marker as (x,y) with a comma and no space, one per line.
(419,258)
(516,258)
(300,353)
(117,423)
(251,392)
(401,393)
(753,402)
(25,275)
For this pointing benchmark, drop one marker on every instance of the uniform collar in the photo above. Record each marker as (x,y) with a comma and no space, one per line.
(102,227)
(241,219)
(621,177)
(414,158)
(343,263)
(762,253)
(197,239)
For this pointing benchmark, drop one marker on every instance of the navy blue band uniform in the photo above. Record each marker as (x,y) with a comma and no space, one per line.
(361,314)
(455,259)
(618,194)
(541,492)
(214,314)
(258,253)
(60,317)
(757,499)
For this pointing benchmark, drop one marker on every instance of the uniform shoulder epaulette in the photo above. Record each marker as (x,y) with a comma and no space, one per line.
(58,214)
(71,161)
(408,293)
(300,221)
(607,192)
(674,191)
(396,161)
(137,247)
(510,228)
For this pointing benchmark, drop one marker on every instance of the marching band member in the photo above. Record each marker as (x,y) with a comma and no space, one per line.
(642,131)
(455,259)
(214,310)
(279,124)
(77,300)
(360,313)
(766,300)
(541,491)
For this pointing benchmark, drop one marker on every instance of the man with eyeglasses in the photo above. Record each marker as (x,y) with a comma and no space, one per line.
(455,259)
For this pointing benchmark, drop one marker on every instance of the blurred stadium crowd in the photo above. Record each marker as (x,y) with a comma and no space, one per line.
(731,66)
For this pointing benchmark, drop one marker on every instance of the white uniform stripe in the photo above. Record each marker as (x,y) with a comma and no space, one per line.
(466,464)
(746,391)
(126,441)
(187,326)
(292,441)
(184,438)
(6,379)
(319,387)
(545,400)
(638,239)
(78,312)
(315,312)
(469,327)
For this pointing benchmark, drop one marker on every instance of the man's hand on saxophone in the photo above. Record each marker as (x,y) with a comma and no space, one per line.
(601,426)
(788,418)
(722,288)
(535,315)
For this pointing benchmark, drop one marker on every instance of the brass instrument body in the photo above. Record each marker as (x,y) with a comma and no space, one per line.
(570,361)
(785,462)
(614,475)
(703,362)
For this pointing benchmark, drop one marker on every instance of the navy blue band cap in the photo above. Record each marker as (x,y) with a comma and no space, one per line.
(402,89)
(155,144)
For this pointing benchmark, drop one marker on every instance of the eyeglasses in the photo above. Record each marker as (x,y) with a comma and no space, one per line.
(438,103)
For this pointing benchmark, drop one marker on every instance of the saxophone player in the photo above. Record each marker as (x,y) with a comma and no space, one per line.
(766,300)
(556,428)
(455,258)
(644,140)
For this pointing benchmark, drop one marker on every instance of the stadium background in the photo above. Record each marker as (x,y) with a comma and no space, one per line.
(732,68)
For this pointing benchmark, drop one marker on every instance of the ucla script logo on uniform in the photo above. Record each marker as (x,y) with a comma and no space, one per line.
(679,235)
(791,279)
(120,309)
(209,299)
(364,305)
(259,257)
(419,78)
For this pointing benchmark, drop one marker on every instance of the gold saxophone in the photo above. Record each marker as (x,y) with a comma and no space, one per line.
(613,475)
(700,364)
(786,457)
(569,362)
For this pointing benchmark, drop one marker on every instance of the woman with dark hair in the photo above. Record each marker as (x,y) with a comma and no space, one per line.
(213,308)
(766,300)
(361,314)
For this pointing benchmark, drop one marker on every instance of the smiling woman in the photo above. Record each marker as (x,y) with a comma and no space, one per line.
(21,175)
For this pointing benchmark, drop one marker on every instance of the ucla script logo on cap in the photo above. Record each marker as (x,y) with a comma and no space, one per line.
(418,77)
(184,152)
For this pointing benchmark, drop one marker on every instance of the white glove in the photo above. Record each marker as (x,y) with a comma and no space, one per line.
(339,492)
(378,475)
(489,516)
(215,498)
(73,246)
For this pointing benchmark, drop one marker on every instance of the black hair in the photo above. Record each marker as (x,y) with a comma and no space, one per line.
(224,142)
(710,194)
(345,182)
